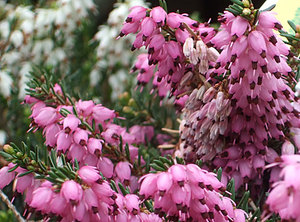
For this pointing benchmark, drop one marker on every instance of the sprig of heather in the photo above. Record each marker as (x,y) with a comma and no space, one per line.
(176,68)
(54,187)
(85,131)
(250,102)
(189,193)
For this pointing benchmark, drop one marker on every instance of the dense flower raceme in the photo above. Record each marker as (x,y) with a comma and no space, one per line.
(242,113)
(188,193)
(164,36)
(70,135)
(89,198)
(284,197)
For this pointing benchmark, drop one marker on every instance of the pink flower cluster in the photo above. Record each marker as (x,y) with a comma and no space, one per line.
(92,199)
(70,135)
(163,35)
(253,66)
(284,197)
(188,193)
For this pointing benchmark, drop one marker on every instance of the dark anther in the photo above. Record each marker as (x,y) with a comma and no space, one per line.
(274,94)
(254,65)
(128,19)
(273,40)
(259,80)
(263,54)
(264,68)
(277,58)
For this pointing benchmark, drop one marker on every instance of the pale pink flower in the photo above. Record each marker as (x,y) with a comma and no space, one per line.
(71,191)
(89,174)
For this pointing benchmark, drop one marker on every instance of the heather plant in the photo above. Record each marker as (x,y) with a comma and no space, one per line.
(209,132)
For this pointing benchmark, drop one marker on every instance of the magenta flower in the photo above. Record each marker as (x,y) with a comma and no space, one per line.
(284,197)
(46,116)
(41,198)
(70,123)
(6,177)
(123,171)
(188,193)
(71,191)
(89,174)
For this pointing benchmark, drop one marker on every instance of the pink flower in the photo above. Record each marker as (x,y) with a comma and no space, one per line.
(41,198)
(76,151)
(85,108)
(94,146)
(46,116)
(50,132)
(71,191)
(22,183)
(123,171)
(132,203)
(70,123)
(193,195)
(158,15)
(136,14)
(58,204)
(101,114)
(89,174)
(63,141)
(80,137)
(6,177)
(147,27)
(268,20)
(106,167)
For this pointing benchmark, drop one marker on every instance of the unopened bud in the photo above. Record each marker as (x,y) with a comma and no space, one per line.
(19,154)
(131,102)
(127,109)
(8,149)
(246,11)
(298,28)
(246,3)
(30,168)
